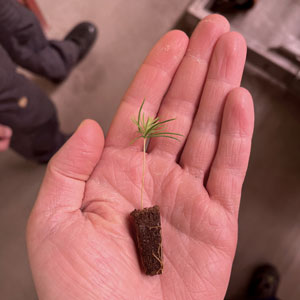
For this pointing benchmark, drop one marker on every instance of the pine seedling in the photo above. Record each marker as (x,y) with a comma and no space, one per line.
(150,128)
(147,220)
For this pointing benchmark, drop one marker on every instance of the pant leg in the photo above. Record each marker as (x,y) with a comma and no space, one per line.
(22,37)
(29,112)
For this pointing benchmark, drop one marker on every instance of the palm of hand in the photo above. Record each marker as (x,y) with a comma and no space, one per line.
(79,238)
(95,245)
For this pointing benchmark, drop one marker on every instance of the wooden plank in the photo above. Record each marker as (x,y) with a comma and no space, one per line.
(272,33)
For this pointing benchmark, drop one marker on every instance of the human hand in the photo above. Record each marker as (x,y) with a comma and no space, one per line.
(5,136)
(79,240)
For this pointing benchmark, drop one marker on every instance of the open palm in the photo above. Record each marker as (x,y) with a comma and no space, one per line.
(80,240)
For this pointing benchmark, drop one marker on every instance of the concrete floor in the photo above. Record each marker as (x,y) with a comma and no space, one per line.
(269,217)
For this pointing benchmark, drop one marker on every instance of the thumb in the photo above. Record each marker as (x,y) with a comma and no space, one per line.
(62,190)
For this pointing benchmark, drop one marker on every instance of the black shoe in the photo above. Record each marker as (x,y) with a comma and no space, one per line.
(232,6)
(264,283)
(245,4)
(84,35)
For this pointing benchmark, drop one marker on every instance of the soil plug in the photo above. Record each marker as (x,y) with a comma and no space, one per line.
(147,220)
(148,231)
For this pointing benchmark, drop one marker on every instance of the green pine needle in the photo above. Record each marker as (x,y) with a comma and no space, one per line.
(152,127)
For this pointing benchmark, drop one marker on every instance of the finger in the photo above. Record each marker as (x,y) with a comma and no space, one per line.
(64,183)
(182,99)
(151,83)
(229,167)
(4,144)
(225,73)
(5,132)
(5,136)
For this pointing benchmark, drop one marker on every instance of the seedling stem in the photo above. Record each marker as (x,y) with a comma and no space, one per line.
(143,175)
(149,129)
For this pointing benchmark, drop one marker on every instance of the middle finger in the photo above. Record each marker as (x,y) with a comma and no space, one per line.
(182,99)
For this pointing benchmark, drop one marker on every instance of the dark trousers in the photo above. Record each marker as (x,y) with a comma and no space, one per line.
(23,106)
(23,39)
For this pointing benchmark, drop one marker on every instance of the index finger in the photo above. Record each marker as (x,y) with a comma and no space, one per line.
(151,83)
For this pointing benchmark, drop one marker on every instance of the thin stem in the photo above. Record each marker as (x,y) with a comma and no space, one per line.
(143,175)
(150,128)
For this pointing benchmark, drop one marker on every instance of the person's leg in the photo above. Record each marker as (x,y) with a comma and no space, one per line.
(22,37)
(29,113)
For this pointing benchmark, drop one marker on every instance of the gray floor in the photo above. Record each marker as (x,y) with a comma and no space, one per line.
(269,230)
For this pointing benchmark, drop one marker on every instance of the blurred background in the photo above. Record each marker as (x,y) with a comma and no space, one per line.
(270,210)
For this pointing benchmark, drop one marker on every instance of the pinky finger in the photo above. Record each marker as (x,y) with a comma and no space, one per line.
(229,167)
